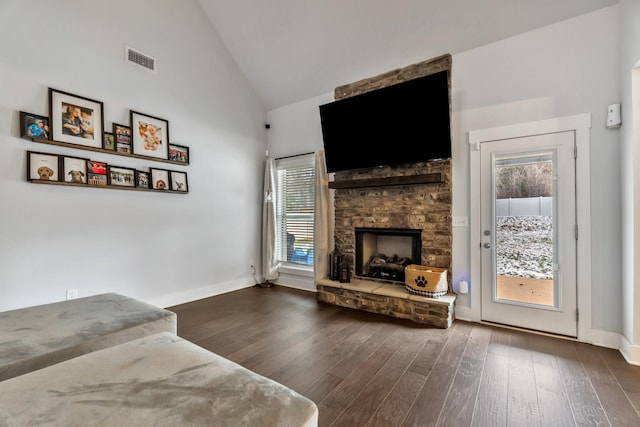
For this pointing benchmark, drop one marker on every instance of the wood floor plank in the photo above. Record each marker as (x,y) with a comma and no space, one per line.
(350,388)
(550,389)
(368,369)
(428,404)
(617,407)
(305,380)
(585,404)
(375,392)
(314,353)
(628,376)
(460,402)
(491,405)
(523,409)
(394,409)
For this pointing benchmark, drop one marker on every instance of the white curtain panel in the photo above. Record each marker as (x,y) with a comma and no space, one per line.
(270,263)
(323,226)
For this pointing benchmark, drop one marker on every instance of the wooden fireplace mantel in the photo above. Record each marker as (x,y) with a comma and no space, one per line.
(428,178)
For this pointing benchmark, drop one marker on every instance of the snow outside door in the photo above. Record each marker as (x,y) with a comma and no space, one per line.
(528,226)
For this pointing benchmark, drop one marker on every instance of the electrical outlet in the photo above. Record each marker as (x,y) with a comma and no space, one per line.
(72,294)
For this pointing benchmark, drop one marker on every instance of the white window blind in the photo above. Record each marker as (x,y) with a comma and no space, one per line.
(295,209)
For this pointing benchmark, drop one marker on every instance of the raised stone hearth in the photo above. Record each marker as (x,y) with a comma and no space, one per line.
(388,299)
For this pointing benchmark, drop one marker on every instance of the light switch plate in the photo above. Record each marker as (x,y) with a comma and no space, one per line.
(460,221)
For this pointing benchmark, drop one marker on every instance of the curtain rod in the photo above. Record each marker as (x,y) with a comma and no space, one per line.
(295,155)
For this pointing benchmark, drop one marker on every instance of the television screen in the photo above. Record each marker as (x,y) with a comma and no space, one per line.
(404,123)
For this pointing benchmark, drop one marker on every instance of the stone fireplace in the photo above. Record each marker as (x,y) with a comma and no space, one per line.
(423,208)
(378,209)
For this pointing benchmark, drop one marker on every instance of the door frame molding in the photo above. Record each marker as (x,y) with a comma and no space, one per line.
(580,124)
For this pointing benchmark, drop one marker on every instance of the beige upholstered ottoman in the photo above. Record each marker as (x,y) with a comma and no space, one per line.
(158,380)
(35,337)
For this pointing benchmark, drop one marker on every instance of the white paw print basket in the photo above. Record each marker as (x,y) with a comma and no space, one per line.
(426,281)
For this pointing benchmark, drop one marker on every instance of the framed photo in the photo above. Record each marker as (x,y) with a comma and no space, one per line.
(150,135)
(159,179)
(34,126)
(122,135)
(42,166)
(179,153)
(179,181)
(122,177)
(97,173)
(142,179)
(74,169)
(108,141)
(76,119)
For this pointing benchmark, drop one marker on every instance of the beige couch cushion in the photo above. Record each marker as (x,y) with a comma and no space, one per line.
(159,380)
(35,337)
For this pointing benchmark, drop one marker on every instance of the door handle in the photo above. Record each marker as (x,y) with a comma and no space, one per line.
(487,245)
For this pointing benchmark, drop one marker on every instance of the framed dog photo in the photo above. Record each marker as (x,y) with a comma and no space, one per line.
(150,135)
(42,166)
(109,141)
(122,136)
(122,177)
(142,179)
(34,126)
(76,119)
(179,181)
(159,179)
(179,153)
(74,169)
(97,173)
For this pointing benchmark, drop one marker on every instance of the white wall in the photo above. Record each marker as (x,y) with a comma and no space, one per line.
(630,170)
(561,70)
(162,248)
(564,69)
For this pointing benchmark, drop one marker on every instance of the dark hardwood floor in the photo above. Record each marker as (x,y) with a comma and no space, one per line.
(363,369)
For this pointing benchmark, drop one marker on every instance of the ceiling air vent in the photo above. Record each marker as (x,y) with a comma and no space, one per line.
(141,59)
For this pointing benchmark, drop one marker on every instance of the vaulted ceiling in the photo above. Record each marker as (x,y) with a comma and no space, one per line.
(291,50)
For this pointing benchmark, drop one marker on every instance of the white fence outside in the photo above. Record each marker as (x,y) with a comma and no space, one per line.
(528,206)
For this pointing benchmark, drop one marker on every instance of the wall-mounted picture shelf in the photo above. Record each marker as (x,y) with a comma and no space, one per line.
(429,178)
(107,187)
(102,150)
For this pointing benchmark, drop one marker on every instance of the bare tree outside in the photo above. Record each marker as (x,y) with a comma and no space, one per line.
(529,180)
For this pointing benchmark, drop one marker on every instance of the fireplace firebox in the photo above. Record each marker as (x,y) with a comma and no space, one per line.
(383,253)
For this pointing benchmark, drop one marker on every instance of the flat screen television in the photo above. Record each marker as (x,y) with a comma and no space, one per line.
(404,123)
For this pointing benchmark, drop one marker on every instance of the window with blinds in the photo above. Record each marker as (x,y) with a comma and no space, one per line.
(295,209)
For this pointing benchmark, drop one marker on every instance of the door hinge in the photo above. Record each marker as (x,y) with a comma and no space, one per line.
(576,228)
(577,315)
(575,151)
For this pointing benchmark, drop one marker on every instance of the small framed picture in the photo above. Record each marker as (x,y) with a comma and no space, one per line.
(74,169)
(122,136)
(150,135)
(142,179)
(122,177)
(159,179)
(97,173)
(179,181)
(179,153)
(42,166)
(108,141)
(76,119)
(34,126)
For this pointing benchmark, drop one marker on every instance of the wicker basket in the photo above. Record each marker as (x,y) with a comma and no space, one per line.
(426,281)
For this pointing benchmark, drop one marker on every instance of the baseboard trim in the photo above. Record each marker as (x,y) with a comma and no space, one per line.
(296,282)
(462,313)
(629,351)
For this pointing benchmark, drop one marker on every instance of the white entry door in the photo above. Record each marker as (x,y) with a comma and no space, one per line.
(528,232)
